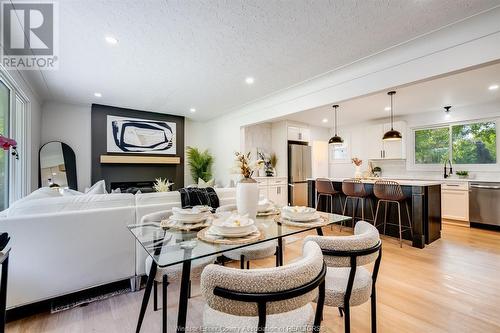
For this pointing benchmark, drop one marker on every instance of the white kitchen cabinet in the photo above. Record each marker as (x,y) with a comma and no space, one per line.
(297,133)
(395,149)
(455,201)
(376,148)
(274,189)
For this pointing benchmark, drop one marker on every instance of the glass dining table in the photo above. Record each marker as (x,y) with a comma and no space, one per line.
(168,246)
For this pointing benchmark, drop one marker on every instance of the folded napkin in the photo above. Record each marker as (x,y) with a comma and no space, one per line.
(298,212)
(264,205)
(232,220)
(185,211)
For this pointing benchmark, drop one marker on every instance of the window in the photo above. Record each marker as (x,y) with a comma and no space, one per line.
(474,143)
(471,143)
(4,155)
(432,145)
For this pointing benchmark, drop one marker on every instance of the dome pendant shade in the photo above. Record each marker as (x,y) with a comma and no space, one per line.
(335,140)
(392,135)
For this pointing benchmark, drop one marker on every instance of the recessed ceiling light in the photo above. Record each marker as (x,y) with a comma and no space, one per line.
(111,40)
(192,110)
(325,120)
(249,80)
(493,87)
(387,108)
(97,94)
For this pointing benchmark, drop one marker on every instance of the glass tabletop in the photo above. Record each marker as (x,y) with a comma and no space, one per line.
(168,246)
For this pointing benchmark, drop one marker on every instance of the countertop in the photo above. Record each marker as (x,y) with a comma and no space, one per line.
(402,182)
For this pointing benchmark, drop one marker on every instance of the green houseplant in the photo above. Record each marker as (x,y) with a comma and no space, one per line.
(463,174)
(200,163)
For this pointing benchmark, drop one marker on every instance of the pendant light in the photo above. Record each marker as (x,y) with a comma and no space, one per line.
(335,140)
(392,135)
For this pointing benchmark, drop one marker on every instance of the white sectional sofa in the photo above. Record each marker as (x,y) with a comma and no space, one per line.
(66,244)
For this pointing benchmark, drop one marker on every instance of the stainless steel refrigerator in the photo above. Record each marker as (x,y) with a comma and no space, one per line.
(299,169)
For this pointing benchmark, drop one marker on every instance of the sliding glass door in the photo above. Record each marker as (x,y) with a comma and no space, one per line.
(4,155)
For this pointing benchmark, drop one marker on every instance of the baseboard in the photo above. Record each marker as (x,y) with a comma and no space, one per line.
(46,305)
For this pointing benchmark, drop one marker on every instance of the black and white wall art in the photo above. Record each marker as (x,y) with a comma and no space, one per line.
(133,135)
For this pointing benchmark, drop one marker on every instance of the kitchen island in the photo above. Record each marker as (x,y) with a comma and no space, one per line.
(424,201)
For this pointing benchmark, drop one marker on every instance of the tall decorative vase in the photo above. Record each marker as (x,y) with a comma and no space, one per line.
(358,173)
(247,197)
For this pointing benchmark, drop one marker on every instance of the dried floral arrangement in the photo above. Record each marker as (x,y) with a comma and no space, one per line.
(243,165)
(162,185)
(357,161)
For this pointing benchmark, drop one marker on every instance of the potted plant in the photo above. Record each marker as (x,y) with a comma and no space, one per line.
(463,174)
(377,171)
(200,164)
(268,168)
(247,189)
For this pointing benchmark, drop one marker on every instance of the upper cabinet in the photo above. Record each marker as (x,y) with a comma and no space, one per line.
(296,133)
(376,148)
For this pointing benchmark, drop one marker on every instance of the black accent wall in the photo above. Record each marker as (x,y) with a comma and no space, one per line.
(112,173)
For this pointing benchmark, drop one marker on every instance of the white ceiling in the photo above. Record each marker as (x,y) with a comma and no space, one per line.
(175,55)
(458,90)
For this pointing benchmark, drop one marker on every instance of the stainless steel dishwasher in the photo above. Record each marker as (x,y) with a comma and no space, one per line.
(484,203)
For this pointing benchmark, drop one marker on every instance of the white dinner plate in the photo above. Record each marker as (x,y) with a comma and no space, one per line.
(310,218)
(190,220)
(217,231)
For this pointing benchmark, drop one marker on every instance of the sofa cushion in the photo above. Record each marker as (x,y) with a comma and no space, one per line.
(157,198)
(97,188)
(70,203)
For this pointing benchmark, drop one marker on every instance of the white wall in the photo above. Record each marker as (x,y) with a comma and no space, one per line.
(195,136)
(449,49)
(70,124)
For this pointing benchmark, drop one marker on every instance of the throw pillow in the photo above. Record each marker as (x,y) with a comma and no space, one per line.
(97,188)
(204,184)
(67,192)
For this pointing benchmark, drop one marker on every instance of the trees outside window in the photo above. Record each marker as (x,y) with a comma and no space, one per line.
(473,143)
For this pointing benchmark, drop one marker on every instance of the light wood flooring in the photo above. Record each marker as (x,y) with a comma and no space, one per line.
(453,285)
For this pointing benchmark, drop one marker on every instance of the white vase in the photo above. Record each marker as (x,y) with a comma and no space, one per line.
(357,172)
(247,197)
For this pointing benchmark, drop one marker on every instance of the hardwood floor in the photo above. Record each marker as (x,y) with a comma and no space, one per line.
(450,286)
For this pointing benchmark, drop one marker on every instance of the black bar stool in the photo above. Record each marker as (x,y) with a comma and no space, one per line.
(388,191)
(355,190)
(324,187)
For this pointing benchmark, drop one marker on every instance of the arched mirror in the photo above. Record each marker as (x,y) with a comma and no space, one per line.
(57,166)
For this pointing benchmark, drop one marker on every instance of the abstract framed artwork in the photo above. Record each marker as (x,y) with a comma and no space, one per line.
(140,136)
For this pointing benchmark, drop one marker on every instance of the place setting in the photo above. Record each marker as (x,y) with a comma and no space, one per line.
(230,228)
(300,216)
(266,207)
(188,219)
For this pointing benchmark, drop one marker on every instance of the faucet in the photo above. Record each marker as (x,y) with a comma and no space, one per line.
(446,175)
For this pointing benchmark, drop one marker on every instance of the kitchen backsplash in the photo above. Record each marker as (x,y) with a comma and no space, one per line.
(397,169)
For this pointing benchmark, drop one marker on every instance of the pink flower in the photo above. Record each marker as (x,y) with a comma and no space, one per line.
(7,143)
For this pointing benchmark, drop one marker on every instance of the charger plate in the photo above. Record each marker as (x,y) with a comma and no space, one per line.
(206,236)
(319,222)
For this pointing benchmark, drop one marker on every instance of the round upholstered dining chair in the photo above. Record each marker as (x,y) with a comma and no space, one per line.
(253,252)
(170,273)
(278,298)
(348,282)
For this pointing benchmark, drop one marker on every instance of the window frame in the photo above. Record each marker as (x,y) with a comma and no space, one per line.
(19,129)
(411,165)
